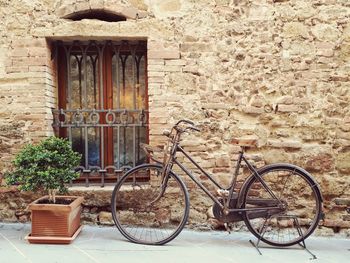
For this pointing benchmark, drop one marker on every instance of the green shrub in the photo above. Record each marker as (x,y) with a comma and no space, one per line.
(47,166)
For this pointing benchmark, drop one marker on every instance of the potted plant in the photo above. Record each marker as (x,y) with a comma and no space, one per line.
(49,166)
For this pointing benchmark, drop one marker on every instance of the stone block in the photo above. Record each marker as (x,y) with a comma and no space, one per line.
(37,61)
(245,141)
(163,54)
(325,32)
(39,52)
(260,12)
(322,162)
(156,79)
(196,47)
(96,4)
(159,61)
(288,108)
(167,6)
(142,14)
(342,162)
(16,69)
(130,12)
(325,49)
(215,106)
(302,49)
(191,69)
(343,135)
(296,30)
(65,10)
(156,74)
(336,223)
(258,101)
(105,218)
(20,52)
(222,2)
(304,10)
(89,218)
(39,69)
(175,62)
(222,162)
(82,6)
(346,217)
(172,68)
(159,120)
(157,67)
(113,5)
(342,201)
(344,52)
(294,144)
(252,110)
(346,33)
(324,231)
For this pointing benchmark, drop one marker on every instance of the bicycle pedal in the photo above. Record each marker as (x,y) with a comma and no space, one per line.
(222,192)
(228,228)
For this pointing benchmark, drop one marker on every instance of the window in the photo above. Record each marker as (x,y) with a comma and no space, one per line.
(103,104)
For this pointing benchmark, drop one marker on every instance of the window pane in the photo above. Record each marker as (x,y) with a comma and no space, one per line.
(126,147)
(75,95)
(92,81)
(94,146)
(141,82)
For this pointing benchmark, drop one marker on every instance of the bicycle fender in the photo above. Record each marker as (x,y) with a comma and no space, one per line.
(314,184)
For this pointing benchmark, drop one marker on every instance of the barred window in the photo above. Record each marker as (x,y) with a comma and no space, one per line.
(103,104)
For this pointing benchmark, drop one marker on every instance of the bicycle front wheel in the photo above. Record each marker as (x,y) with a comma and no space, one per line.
(144,211)
(298,200)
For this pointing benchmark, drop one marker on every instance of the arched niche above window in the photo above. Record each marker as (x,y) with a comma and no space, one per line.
(102,15)
(101,10)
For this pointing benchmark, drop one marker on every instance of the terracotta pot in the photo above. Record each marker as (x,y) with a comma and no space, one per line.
(55,223)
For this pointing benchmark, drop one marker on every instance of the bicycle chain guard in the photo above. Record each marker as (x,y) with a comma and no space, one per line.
(230,217)
(238,216)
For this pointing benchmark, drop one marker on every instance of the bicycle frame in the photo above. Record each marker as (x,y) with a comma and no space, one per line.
(225,206)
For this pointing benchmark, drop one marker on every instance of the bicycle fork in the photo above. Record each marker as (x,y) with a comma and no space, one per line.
(165,178)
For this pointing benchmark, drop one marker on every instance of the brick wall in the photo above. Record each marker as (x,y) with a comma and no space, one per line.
(219,63)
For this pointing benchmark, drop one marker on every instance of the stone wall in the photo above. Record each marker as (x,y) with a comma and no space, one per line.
(96,207)
(277,71)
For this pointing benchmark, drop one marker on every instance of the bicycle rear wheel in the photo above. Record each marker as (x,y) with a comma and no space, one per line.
(299,202)
(145,215)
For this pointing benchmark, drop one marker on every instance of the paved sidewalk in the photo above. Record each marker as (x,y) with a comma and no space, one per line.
(105,244)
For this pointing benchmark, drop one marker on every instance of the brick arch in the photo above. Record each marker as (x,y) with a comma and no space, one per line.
(121,12)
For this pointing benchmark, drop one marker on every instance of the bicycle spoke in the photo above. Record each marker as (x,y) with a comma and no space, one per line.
(144,213)
(300,205)
(284,184)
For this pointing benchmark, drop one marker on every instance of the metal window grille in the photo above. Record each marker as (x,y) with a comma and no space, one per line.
(103,105)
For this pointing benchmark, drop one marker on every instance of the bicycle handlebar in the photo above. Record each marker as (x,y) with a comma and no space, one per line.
(186,121)
(191,127)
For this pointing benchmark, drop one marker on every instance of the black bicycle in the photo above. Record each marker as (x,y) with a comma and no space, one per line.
(281,204)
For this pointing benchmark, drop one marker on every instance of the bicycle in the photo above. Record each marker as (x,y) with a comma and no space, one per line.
(281,204)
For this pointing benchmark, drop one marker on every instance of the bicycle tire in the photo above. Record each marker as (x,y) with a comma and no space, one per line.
(140,220)
(301,203)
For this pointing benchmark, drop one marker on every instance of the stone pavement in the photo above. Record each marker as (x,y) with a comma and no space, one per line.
(105,244)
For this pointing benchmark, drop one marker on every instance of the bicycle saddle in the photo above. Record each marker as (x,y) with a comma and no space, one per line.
(245,142)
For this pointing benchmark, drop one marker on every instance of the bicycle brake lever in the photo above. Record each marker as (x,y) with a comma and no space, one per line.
(166,133)
(196,129)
